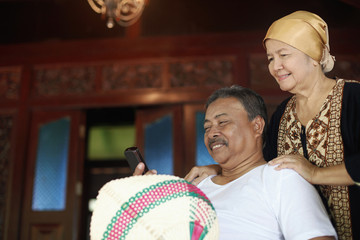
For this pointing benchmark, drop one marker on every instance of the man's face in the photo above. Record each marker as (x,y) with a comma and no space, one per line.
(229,135)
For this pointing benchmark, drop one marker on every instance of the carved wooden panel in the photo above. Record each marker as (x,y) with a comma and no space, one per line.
(347,67)
(47,232)
(94,78)
(10,78)
(260,77)
(132,76)
(64,80)
(201,72)
(6,125)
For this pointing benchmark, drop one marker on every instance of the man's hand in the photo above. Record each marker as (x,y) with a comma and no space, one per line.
(139,170)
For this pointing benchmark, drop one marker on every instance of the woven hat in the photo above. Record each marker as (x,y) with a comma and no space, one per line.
(152,207)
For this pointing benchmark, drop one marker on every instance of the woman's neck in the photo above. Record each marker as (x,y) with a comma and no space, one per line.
(310,101)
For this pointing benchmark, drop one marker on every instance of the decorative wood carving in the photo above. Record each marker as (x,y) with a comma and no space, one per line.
(131,76)
(51,81)
(6,124)
(260,77)
(347,67)
(64,80)
(10,78)
(201,73)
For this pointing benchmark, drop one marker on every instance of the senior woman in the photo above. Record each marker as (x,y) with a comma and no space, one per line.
(316,132)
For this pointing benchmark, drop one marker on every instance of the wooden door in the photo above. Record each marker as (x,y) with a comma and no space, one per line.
(53,176)
(167,140)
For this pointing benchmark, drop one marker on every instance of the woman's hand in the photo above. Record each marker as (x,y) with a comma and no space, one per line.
(298,163)
(333,175)
(199,173)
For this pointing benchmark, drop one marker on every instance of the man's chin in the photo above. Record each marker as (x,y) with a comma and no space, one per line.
(219,159)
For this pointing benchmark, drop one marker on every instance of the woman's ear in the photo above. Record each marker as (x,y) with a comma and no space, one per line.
(315,63)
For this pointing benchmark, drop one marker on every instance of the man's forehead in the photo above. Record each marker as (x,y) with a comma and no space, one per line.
(226,103)
(223,107)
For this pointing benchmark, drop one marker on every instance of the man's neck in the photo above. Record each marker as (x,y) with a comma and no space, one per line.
(228,175)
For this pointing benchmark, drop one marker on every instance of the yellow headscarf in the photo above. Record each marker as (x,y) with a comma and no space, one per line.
(306,32)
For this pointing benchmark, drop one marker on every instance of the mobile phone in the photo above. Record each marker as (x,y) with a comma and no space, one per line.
(134,157)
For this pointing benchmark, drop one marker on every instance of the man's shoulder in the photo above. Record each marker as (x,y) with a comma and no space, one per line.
(283,173)
(206,181)
(273,178)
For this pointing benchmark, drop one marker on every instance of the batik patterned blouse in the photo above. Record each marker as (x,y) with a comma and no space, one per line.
(332,137)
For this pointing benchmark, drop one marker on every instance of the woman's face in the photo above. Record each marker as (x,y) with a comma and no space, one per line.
(291,68)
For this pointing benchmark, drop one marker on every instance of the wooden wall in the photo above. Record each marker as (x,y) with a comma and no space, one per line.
(127,72)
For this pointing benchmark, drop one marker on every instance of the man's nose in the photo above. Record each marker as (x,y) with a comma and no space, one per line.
(213,132)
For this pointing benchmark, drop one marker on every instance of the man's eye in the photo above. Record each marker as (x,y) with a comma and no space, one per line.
(270,59)
(222,123)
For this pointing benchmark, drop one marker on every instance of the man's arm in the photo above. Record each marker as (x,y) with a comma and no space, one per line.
(300,211)
(323,238)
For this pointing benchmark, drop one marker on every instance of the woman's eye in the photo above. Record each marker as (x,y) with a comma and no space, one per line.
(270,59)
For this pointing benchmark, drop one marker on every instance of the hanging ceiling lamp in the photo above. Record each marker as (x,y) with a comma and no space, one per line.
(124,12)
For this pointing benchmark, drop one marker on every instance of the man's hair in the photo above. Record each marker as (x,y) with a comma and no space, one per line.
(253,103)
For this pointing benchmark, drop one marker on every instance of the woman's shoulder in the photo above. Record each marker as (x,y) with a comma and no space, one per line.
(351,81)
(352,85)
(351,89)
(281,108)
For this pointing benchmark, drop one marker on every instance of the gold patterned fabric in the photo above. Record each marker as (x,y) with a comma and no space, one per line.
(325,148)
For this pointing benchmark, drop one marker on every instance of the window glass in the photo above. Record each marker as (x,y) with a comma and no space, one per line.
(202,155)
(159,145)
(109,142)
(49,192)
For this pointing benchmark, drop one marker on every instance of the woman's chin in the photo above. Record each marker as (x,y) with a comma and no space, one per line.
(285,88)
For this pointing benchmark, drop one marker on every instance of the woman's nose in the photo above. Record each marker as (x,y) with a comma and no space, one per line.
(277,64)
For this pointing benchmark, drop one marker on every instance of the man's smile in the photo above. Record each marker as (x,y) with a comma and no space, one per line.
(217,143)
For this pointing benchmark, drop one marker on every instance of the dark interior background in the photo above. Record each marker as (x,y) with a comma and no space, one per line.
(69,41)
(24,21)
